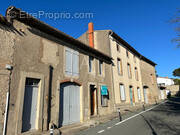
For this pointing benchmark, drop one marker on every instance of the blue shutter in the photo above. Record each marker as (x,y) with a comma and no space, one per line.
(68,62)
(75,60)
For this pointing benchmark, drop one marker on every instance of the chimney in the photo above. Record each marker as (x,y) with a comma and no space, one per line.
(91,34)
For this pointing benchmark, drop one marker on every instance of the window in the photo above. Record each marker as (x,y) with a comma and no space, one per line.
(72,62)
(127,53)
(129,70)
(119,66)
(104,96)
(122,92)
(100,67)
(139,93)
(136,74)
(91,64)
(118,47)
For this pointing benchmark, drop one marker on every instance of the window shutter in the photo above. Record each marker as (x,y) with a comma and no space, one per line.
(90,63)
(139,93)
(75,58)
(68,62)
(122,90)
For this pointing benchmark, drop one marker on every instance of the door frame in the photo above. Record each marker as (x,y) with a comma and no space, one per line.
(145,90)
(20,100)
(59,83)
(96,100)
(131,92)
(32,88)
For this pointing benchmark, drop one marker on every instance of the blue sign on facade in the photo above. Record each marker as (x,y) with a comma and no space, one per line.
(104,90)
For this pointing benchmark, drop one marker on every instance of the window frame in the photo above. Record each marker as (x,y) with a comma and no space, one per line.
(119,66)
(104,98)
(117,47)
(139,93)
(136,74)
(72,54)
(100,67)
(124,91)
(129,70)
(91,62)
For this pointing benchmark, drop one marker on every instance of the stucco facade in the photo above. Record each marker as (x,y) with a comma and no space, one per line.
(38,55)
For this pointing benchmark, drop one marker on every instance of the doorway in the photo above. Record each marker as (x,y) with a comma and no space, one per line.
(30,104)
(69,104)
(145,94)
(92,100)
(131,94)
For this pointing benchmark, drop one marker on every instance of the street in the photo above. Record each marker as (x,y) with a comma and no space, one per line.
(162,119)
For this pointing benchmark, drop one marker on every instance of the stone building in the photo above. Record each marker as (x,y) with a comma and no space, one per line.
(49,76)
(166,85)
(149,81)
(132,72)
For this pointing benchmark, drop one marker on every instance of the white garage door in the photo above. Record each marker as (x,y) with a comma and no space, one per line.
(69,104)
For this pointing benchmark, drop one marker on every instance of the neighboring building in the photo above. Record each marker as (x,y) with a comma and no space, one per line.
(51,77)
(164,81)
(149,81)
(166,85)
(127,73)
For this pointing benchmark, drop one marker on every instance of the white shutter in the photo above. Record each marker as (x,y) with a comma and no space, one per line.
(122,92)
(75,65)
(139,93)
(68,62)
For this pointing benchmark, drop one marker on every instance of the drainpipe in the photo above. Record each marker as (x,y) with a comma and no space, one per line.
(6,111)
(49,96)
(8,67)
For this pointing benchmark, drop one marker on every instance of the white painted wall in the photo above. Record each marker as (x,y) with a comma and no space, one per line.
(166,81)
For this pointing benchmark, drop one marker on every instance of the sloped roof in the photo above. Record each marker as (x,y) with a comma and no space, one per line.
(15,13)
(129,47)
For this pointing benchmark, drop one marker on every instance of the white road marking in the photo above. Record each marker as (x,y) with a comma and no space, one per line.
(131,117)
(139,114)
(100,131)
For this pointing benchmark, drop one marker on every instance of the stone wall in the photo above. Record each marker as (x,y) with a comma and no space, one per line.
(173,88)
(6,57)
(149,80)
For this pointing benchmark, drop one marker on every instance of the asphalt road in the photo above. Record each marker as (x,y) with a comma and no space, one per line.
(163,119)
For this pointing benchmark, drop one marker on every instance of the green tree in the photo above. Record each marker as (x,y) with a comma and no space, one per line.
(176,72)
(177,81)
(177,28)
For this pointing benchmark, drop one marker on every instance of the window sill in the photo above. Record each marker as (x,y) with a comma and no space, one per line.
(104,106)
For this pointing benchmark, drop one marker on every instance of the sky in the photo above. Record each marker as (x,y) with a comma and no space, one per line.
(144,24)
